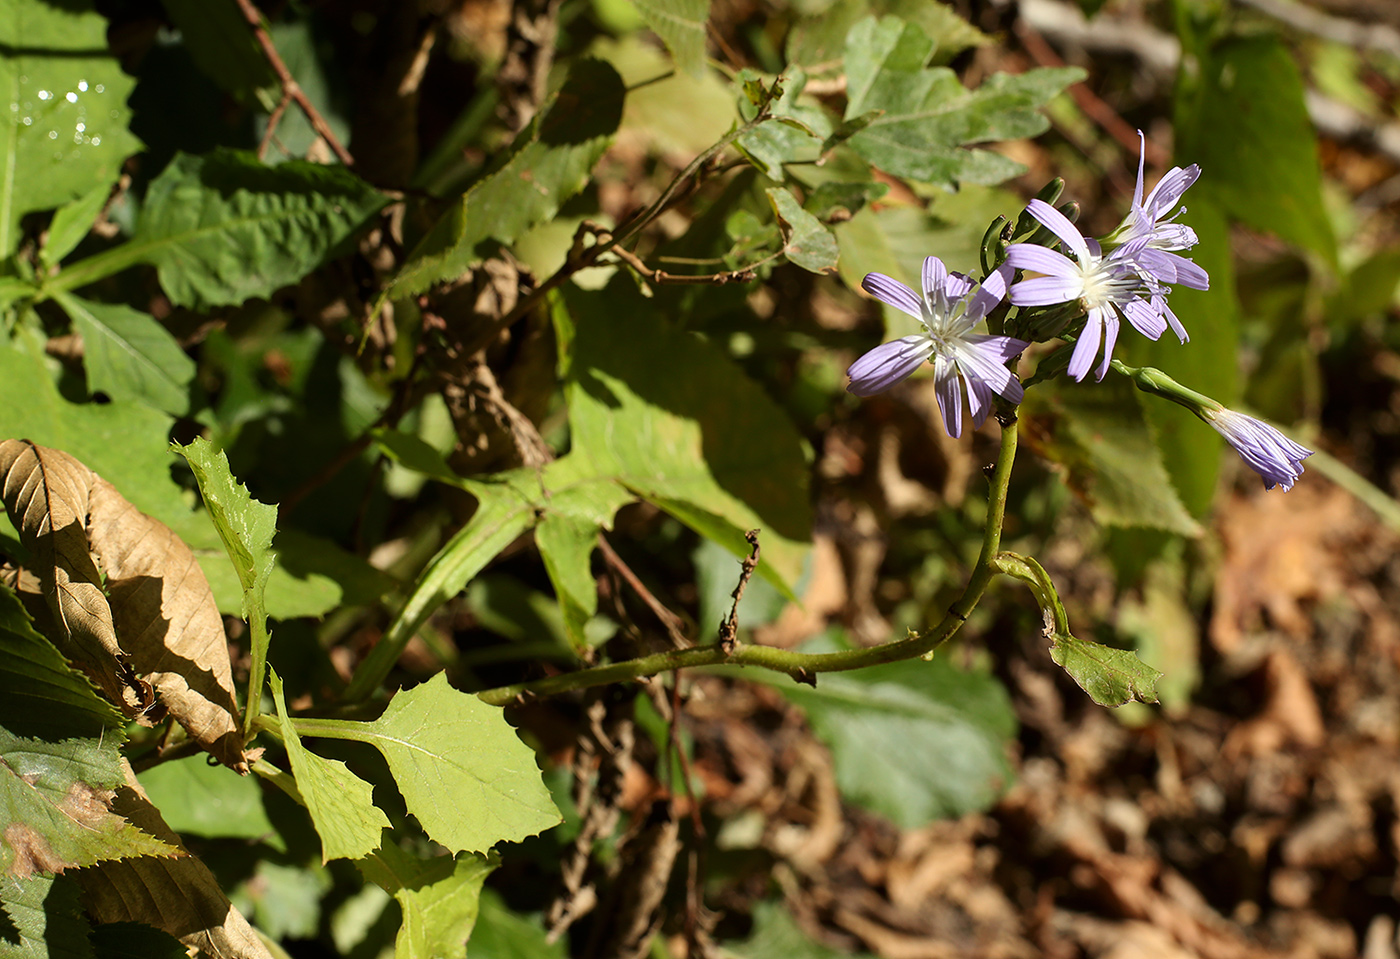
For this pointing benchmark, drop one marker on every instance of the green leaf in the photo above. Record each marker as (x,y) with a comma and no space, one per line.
(929,116)
(1110,676)
(673,419)
(462,769)
(129,356)
(198,799)
(65,131)
(46,917)
(681,25)
(776,933)
(223,228)
(285,901)
(246,528)
(341,804)
(566,545)
(795,134)
(439,898)
(806,241)
(1100,435)
(59,760)
(501,933)
(71,222)
(1242,117)
(218,38)
(820,39)
(549,162)
(912,741)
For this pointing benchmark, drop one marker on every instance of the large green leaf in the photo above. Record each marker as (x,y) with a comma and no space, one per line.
(673,419)
(59,761)
(913,741)
(549,162)
(246,528)
(929,116)
(462,769)
(222,228)
(1097,431)
(439,898)
(65,130)
(1241,116)
(681,24)
(341,804)
(130,356)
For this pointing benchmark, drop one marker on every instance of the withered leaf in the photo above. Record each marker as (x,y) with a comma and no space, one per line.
(46,494)
(157,617)
(180,896)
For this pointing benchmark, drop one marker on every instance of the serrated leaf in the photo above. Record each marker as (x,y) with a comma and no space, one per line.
(45,917)
(1110,676)
(681,25)
(223,228)
(912,741)
(929,115)
(341,804)
(806,240)
(129,356)
(1101,437)
(178,895)
(462,769)
(198,799)
(439,898)
(1244,120)
(667,415)
(550,161)
(66,129)
(246,528)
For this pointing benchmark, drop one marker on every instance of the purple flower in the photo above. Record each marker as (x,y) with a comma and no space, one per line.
(1148,220)
(951,306)
(1107,286)
(1268,452)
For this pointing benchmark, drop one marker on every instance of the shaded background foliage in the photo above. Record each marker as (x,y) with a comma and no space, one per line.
(451,377)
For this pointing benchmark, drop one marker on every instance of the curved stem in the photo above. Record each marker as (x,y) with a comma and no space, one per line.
(803,666)
(1028,571)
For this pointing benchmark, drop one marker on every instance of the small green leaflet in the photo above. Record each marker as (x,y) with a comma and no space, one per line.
(806,241)
(1110,676)
(341,804)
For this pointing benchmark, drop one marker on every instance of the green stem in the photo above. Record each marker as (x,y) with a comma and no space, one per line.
(801,666)
(1157,383)
(1028,571)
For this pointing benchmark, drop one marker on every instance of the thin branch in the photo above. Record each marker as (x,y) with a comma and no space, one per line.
(729,629)
(290,88)
(803,666)
(272,122)
(675,628)
(745,275)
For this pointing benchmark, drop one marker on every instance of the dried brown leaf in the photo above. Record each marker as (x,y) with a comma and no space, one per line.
(46,494)
(180,896)
(157,617)
(166,617)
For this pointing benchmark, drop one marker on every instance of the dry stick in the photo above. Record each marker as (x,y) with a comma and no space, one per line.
(729,629)
(272,122)
(661,276)
(692,887)
(675,628)
(290,88)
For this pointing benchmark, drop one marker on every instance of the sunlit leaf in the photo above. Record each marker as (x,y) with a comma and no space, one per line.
(65,131)
(1110,676)
(198,799)
(806,241)
(439,898)
(130,356)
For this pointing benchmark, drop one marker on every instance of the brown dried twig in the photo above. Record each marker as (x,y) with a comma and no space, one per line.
(290,88)
(729,629)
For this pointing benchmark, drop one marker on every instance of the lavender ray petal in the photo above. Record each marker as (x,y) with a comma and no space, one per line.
(1046,291)
(948,389)
(1088,346)
(889,290)
(1145,317)
(888,364)
(1059,225)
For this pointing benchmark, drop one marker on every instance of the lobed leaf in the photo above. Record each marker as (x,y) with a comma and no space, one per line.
(462,769)
(929,116)
(806,240)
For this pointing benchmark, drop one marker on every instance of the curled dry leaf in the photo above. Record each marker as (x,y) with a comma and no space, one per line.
(180,895)
(46,494)
(158,603)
